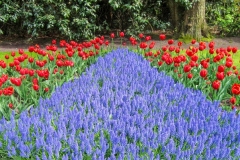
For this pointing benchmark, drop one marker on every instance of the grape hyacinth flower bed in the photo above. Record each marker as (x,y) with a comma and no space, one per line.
(122,108)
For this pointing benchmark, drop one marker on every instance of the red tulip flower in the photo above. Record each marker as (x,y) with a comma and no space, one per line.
(220,75)
(201,47)
(10,105)
(236,89)
(193,41)
(13,54)
(170,41)
(203,73)
(35,87)
(234,49)
(160,63)
(46,89)
(20,51)
(162,36)
(140,35)
(211,45)
(16,81)
(194,58)
(216,84)
(221,68)
(229,64)
(190,75)
(151,45)
(143,45)
(233,100)
(6,56)
(179,44)
(229,48)
(31,48)
(30,60)
(121,34)
(205,64)
(112,35)
(211,50)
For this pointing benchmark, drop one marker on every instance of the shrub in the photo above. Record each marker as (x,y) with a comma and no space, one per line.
(224,15)
(72,19)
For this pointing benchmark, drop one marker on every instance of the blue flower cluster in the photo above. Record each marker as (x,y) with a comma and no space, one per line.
(121,108)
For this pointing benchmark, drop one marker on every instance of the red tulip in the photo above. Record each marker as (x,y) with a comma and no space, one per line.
(229,64)
(160,63)
(194,58)
(162,36)
(177,50)
(46,89)
(20,51)
(143,45)
(236,89)
(187,68)
(190,75)
(151,45)
(189,53)
(13,54)
(6,56)
(205,64)
(216,84)
(192,63)
(221,68)
(164,48)
(211,51)
(234,49)
(16,81)
(112,35)
(211,45)
(10,105)
(30,60)
(201,47)
(170,41)
(121,34)
(229,48)
(233,100)
(203,73)
(220,75)
(31,48)
(193,41)
(35,87)
(179,44)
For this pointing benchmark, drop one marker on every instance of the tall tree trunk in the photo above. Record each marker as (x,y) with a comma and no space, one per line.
(174,13)
(194,24)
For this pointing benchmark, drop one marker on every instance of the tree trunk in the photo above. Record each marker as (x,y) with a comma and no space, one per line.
(194,24)
(174,13)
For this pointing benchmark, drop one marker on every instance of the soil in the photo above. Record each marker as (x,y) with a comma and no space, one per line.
(13,44)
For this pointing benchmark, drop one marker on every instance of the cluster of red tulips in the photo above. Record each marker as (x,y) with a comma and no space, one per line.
(40,74)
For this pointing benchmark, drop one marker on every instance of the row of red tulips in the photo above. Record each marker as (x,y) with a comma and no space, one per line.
(52,67)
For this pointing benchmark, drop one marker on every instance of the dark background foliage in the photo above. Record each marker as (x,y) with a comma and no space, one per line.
(83,19)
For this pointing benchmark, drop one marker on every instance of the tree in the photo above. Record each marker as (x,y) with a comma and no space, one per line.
(188,17)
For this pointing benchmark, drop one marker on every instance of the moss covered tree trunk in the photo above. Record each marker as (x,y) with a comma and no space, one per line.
(194,24)
(188,22)
(174,13)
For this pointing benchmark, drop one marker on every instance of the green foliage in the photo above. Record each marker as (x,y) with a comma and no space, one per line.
(73,19)
(225,15)
(187,3)
(136,16)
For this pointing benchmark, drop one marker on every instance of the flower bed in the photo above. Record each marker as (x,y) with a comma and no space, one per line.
(120,108)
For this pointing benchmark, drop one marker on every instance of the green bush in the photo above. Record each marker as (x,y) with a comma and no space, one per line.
(225,15)
(77,19)
(73,19)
